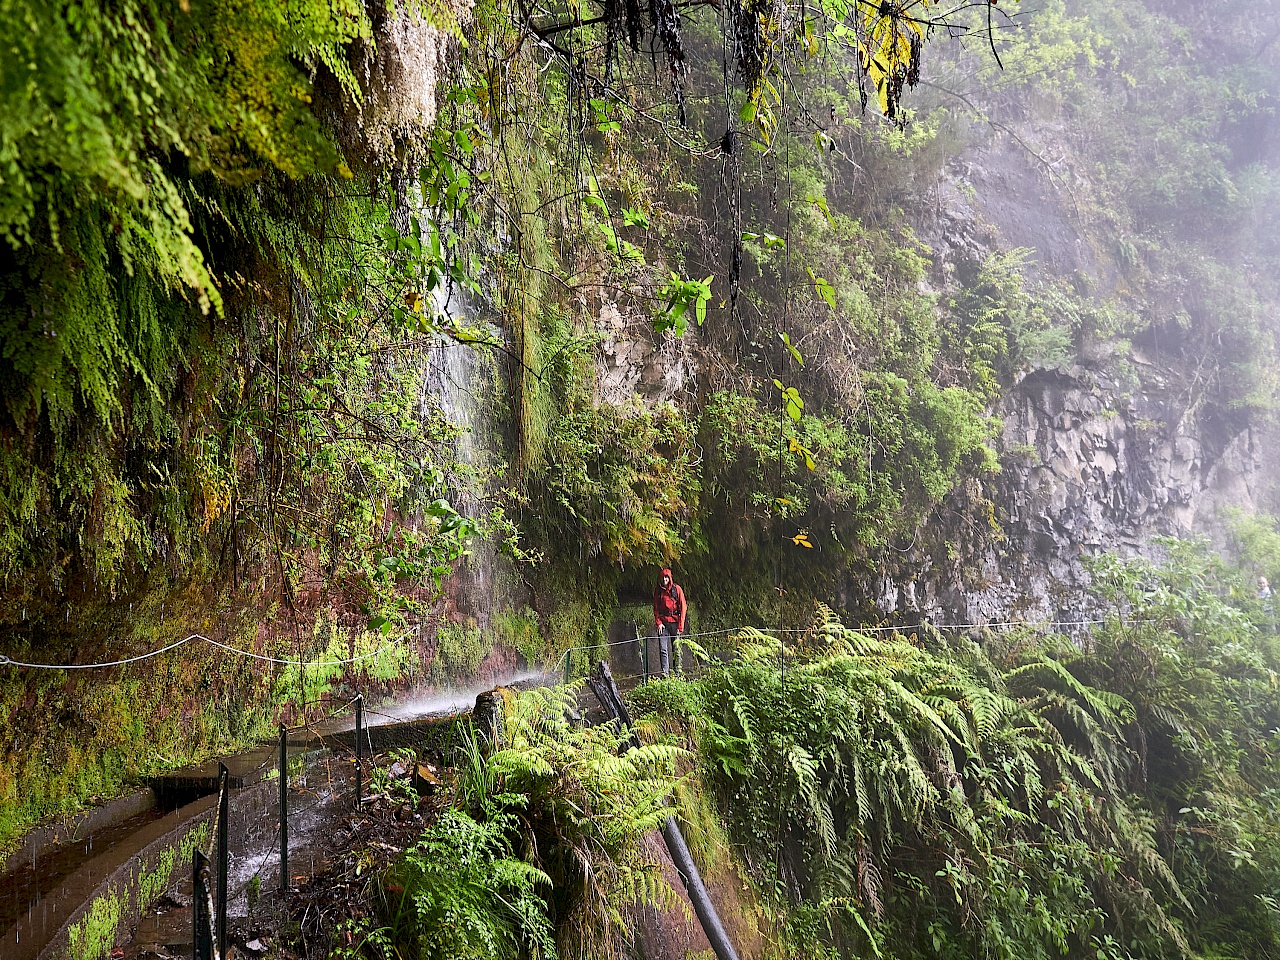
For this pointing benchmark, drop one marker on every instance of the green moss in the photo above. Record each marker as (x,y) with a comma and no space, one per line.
(460,649)
(152,883)
(519,630)
(98,732)
(378,659)
(93,937)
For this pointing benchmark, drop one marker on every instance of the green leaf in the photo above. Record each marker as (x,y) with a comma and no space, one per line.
(823,289)
(791,348)
(821,204)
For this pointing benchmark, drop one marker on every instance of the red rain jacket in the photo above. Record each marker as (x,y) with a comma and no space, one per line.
(668,603)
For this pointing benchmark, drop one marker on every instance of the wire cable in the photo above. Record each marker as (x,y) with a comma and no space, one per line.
(775,632)
(9,662)
(767,631)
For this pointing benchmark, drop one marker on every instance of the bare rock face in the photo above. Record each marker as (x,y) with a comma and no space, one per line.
(634,362)
(402,72)
(1103,456)
(1091,465)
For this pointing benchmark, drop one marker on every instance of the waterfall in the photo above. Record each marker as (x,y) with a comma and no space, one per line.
(456,381)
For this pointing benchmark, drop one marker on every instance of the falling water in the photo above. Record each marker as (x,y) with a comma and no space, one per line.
(432,703)
(324,797)
(454,386)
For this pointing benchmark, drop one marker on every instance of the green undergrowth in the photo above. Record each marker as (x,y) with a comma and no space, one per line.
(929,796)
(895,795)
(538,852)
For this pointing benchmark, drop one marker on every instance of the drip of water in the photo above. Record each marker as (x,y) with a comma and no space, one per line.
(453,386)
(450,387)
(314,810)
(432,703)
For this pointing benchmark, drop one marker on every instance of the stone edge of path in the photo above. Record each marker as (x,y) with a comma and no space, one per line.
(96,905)
(84,916)
(38,841)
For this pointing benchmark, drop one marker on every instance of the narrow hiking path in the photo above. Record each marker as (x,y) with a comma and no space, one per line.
(67,879)
(51,888)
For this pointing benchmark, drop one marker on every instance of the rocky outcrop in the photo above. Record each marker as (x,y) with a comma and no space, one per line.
(1102,456)
(634,362)
(400,73)
(1093,462)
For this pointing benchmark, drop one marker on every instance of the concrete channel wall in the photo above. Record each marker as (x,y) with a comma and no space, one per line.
(94,908)
(84,916)
(37,842)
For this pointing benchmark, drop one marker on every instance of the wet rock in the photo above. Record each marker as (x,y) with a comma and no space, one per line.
(488,719)
(1091,463)
(424,780)
(635,365)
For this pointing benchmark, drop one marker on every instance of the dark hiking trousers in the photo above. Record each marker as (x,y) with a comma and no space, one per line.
(667,633)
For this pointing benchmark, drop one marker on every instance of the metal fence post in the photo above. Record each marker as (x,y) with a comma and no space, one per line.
(568,661)
(359,746)
(201,942)
(644,651)
(284,808)
(220,919)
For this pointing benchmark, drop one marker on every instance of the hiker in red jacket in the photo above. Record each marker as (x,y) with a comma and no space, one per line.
(668,617)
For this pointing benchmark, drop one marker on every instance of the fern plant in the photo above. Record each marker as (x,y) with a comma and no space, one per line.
(460,894)
(575,803)
(931,801)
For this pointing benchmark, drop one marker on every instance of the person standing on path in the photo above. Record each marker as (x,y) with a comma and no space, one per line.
(668,617)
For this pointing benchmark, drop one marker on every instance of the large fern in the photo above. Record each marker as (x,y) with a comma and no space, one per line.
(460,894)
(876,756)
(581,799)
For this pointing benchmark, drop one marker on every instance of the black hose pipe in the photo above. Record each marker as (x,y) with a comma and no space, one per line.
(606,692)
(708,916)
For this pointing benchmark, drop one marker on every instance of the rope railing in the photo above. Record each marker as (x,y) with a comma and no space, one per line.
(879,628)
(10,662)
(6,661)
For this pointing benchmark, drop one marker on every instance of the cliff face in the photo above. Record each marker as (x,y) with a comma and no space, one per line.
(1144,427)
(1102,455)
(1092,465)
